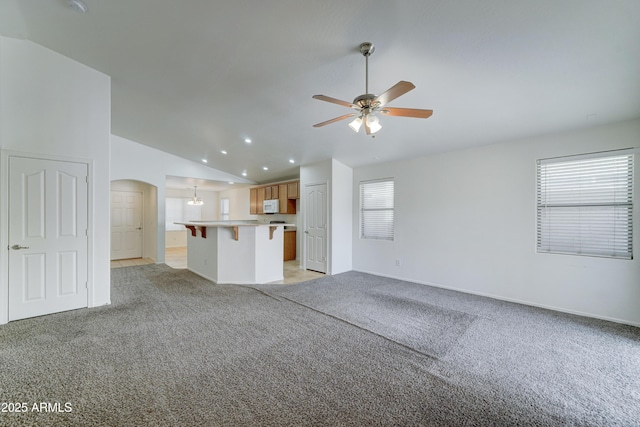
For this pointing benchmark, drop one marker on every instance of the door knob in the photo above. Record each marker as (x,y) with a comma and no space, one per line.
(139,228)
(306,231)
(17,247)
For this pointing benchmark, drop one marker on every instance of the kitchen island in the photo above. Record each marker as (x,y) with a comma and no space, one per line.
(242,252)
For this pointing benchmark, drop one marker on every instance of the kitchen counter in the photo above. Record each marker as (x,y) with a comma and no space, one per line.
(241,252)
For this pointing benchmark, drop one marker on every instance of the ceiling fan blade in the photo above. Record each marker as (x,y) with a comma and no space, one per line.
(335,101)
(337,119)
(406,112)
(394,91)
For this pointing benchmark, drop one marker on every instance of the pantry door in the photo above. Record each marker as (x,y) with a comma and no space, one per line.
(316,228)
(48,253)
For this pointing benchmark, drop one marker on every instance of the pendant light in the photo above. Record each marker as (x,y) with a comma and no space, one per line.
(196,201)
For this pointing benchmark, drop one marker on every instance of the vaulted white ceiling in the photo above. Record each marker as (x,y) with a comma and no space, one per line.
(195,77)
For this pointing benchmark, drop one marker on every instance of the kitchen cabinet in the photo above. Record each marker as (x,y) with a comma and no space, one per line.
(260,200)
(253,201)
(293,190)
(282,192)
(287,206)
(271,192)
(289,245)
(286,193)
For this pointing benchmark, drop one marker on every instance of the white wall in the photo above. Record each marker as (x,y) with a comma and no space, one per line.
(341,225)
(466,220)
(130,160)
(53,106)
(238,203)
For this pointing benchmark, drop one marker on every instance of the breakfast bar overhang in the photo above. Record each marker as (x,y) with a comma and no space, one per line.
(236,251)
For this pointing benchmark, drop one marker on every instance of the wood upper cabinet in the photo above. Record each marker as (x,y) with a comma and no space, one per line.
(260,200)
(253,201)
(287,206)
(286,193)
(271,192)
(282,192)
(293,190)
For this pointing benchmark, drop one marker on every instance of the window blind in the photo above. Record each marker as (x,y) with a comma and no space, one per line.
(376,209)
(585,205)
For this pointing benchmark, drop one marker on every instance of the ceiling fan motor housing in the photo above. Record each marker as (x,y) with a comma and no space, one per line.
(365,101)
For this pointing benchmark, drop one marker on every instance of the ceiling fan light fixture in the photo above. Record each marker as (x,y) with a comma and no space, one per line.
(373,122)
(355,124)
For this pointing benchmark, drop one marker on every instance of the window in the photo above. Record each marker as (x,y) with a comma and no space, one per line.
(585,205)
(224,209)
(376,209)
(177,209)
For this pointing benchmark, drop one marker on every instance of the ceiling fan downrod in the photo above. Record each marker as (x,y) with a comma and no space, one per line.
(366,48)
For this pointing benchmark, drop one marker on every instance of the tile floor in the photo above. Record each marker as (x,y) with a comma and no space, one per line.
(131,262)
(177,258)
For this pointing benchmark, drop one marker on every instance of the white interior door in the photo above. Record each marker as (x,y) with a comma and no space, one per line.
(316,227)
(48,213)
(126,225)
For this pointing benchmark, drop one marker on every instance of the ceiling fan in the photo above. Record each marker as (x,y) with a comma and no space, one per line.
(368,104)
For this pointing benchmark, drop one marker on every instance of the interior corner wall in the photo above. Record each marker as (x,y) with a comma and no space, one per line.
(341,212)
(55,107)
(466,220)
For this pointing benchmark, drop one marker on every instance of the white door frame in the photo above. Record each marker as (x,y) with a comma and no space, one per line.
(5,155)
(303,209)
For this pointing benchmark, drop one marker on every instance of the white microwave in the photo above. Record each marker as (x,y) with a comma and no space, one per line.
(271,206)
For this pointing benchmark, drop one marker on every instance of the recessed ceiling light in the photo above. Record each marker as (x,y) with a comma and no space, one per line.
(244,173)
(231,182)
(205,161)
(264,168)
(247,140)
(291,161)
(78,6)
(223,151)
